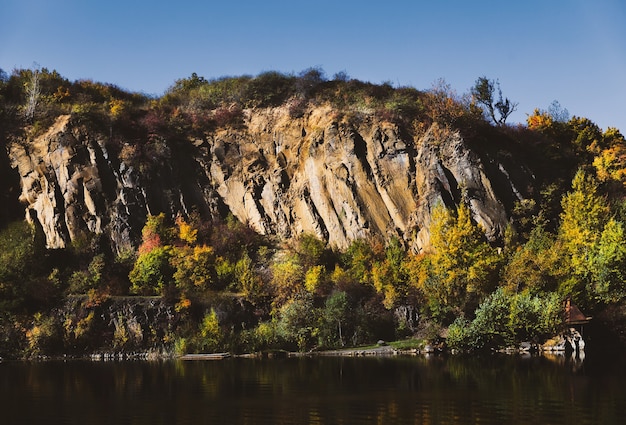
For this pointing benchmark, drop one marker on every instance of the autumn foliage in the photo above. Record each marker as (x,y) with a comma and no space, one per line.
(229,288)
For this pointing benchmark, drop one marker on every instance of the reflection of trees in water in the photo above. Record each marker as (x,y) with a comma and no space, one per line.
(399,390)
(574,359)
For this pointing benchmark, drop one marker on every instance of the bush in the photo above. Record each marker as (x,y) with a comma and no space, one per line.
(210,332)
(22,260)
(461,335)
(297,321)
(228,116)
(152,273)
(269,89)
(43,336)
(504,319)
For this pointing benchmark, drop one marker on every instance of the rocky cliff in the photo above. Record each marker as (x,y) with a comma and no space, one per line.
(339,179)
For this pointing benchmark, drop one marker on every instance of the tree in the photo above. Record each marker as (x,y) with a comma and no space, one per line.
(389,276)
(308,80)
(534,266)
(33,92)
(498,110)
(250,283)
(310,250)
(442,105)
(592,245)
(152,272)
(21,252)
(332,319)
(359,259)
(464,267)
(584,216)
(610,158)
(188,84)
(210,332)
(504,319)
(297,320)
(287,280)
(587,134)
(557,112)
(608,263)
(195,268)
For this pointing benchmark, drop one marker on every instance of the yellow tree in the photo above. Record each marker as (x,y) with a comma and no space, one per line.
(250,283)
(592,242)
(389,277)
(584,215)
(287,279)
(536,266)
(195,268)
(463,267)
(610,159)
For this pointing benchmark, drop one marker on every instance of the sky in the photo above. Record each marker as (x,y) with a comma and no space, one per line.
(571,51)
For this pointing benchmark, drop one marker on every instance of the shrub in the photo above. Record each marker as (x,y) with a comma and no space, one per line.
(43,336)
(152,273)
(504,319)
(228,116)
(297,321)
(210,332)
(269,89)
(461,335)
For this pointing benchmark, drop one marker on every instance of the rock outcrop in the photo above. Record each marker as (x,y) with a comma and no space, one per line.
(283,176)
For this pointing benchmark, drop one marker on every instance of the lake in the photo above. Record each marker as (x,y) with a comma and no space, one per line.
(318,390)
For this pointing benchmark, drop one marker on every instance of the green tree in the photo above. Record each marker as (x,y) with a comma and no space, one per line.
(152,273)
(22,256)
(587,134)
(297,320)
(250,284)
(504,319)
(608,264)
(592,241)
(533,317)
(82,281)
(210,332)
(333,319)
(310,250)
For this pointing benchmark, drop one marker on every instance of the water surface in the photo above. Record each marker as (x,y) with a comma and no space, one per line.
(319,390)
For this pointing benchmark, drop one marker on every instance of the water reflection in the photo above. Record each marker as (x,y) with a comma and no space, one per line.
(404,390)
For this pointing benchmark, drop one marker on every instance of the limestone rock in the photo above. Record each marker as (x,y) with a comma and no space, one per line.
(318,174)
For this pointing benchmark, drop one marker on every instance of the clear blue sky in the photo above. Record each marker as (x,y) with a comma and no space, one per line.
(573,51)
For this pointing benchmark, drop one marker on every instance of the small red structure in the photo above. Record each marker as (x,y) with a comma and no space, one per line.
(573,316)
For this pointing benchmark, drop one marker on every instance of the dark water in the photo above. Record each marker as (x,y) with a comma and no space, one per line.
(397,390)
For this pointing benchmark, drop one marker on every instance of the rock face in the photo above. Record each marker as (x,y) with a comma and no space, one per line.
(283,176)
(71,188)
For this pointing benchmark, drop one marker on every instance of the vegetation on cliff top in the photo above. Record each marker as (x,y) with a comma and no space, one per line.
(229,288)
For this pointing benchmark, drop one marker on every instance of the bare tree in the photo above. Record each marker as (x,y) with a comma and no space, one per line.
(497,110)
(33,91)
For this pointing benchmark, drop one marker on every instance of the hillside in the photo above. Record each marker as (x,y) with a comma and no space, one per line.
(264,168)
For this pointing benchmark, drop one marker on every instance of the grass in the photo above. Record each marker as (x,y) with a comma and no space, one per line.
(407,344)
